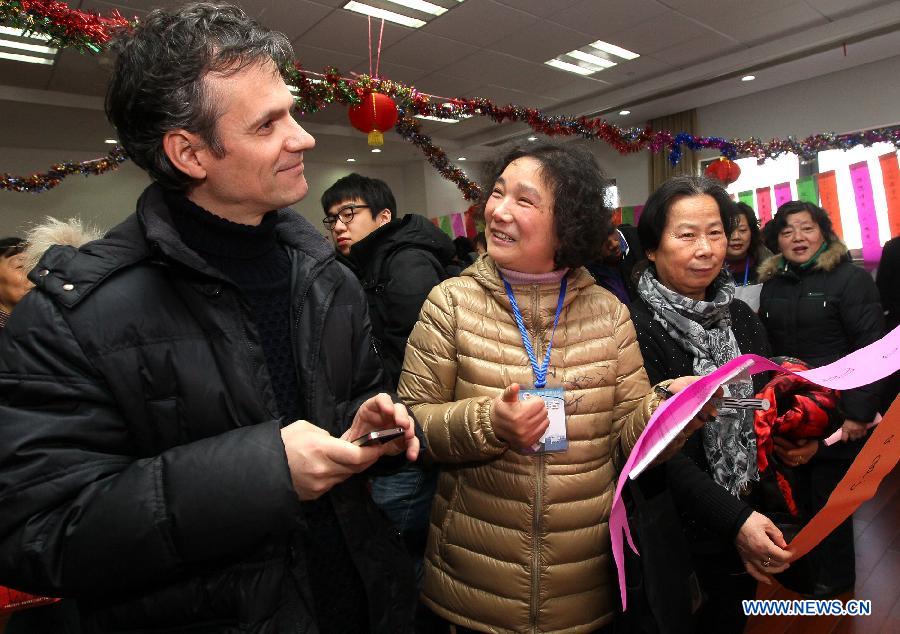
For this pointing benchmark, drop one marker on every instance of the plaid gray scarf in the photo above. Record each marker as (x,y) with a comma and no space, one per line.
(703,330)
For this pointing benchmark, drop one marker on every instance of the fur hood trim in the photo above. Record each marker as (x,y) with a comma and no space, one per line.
(830,258)
(52,231)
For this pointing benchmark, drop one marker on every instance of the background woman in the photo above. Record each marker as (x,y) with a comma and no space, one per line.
(519,540)
(688,322)
(818,306)
(746,250)
(13,281)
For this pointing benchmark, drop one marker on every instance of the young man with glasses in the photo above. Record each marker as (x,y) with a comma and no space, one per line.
(398,261)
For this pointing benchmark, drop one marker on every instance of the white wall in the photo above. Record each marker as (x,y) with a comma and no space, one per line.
(102,201)
(106,199)
(867,96)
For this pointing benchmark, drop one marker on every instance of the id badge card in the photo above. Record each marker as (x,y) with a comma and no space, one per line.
(555,438)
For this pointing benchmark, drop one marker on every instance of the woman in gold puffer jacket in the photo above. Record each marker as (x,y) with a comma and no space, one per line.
(519,541)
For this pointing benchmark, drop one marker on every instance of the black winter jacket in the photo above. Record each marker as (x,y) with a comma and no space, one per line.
(711,516)
(141,465)
(398,264)
(821,314)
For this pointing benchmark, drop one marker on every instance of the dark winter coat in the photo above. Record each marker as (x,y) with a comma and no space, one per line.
(398,264)
(142,469)
(821,314)
(712,517)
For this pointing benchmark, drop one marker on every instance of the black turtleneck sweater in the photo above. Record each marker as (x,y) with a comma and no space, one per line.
(251,257)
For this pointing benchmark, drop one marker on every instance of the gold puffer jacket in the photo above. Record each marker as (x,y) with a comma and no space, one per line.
(520,543)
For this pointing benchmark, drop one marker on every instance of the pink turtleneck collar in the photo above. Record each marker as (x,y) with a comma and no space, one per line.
(516,278)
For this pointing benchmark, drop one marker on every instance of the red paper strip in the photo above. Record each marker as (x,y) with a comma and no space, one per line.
(763,205)
(828,198)
(877,458)
(617,217)
(890,174)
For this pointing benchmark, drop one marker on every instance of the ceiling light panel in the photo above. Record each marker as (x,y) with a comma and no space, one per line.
(612,49)
(411,13)
(592,58)
(18,47)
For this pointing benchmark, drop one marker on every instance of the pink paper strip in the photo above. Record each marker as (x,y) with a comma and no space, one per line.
(459,224)
(637,213)
(763,205)
(865,211)
(859,368)
(783,194)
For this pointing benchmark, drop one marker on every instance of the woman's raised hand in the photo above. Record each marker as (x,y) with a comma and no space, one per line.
(519,423)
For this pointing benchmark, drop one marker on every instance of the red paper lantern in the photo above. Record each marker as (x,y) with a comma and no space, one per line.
(724,170)
(375,115)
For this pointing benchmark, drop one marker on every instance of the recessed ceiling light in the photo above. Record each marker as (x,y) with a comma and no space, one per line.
(376,150)
(461,158)
(42,54)
(351,160)
(428,117)
(612,49)
(420,5)
(748,77)
(390,16)
(572,68)
(111,141)
(532,138)
(624,112)
(591,59)
(8,30)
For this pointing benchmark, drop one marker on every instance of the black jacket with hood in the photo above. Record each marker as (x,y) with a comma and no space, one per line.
(141,464)
(398,264)
(821,314)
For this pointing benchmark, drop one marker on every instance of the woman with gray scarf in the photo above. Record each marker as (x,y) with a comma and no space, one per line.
(688,322)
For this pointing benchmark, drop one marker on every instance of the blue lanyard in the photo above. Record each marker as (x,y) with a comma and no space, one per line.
(746,271)
(540,373)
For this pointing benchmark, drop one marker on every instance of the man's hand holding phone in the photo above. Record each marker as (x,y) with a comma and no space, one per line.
(318,461)
(380,413)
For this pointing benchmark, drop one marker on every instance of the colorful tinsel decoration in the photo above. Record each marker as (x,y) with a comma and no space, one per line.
(38,183)
(408,128)
(89,32)
(66,27)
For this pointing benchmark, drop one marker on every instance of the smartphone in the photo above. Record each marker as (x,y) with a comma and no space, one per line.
(379,436)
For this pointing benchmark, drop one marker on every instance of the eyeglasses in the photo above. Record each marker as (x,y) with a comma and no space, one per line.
(345,214)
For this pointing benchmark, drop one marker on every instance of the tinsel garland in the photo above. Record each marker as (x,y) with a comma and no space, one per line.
(89,32)
(66,27)
(38,183)
(331,87)
(408,128)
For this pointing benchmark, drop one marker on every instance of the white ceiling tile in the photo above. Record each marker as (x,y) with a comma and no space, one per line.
(80,74)
(784,21)
(427,51)
(445,85)
(350,32)
(316,59)
(542,41)
(603,20)
(479,22)
(694,51)
(292,18)
(541,8)
(840,8)
(660,32)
